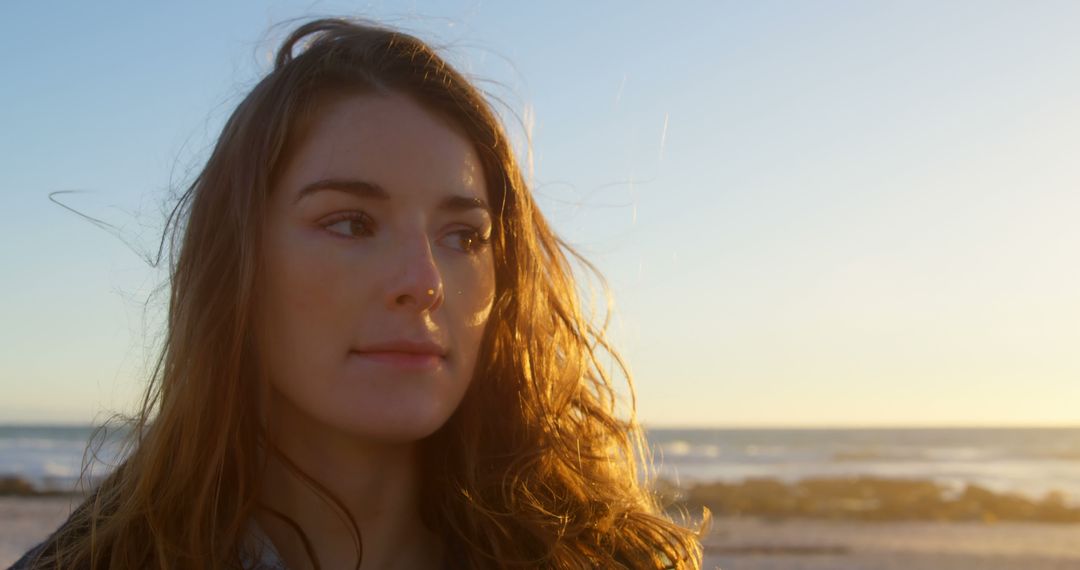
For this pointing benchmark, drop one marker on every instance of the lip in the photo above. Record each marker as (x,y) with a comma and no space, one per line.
(404,354)
(402,360)
(404,346)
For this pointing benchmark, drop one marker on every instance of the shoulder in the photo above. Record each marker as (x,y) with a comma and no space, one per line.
(259,552)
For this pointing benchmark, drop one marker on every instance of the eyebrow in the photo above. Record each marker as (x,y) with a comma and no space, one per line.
(370,190)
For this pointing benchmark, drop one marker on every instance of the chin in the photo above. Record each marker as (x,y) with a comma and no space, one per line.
(398,421)
(381,409)
(396,431)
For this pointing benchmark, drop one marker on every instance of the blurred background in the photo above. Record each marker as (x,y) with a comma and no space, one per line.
(840,236)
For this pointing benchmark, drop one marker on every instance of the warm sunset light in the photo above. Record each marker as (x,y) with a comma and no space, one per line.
(841,240)
(796,231)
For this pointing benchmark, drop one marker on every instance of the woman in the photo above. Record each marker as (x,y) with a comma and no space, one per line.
(375,356)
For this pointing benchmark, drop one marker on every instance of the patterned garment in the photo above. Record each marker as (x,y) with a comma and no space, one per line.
(258,554)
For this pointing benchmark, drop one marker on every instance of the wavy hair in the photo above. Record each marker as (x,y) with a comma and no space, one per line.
(534,469)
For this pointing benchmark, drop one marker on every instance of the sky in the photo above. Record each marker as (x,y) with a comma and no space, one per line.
(809,214)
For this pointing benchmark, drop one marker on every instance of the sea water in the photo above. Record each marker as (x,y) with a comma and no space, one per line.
(51,457)
(1028,461)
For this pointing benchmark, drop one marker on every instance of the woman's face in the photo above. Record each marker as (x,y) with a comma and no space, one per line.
(378,279)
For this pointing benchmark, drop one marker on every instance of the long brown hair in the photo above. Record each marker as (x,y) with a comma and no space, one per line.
(535,468)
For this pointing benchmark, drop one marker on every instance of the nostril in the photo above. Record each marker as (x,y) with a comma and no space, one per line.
(429,296)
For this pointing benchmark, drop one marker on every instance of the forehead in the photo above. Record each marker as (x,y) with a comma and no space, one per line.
(388,139)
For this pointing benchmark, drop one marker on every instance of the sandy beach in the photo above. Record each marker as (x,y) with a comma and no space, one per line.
(757,543)
(806,544)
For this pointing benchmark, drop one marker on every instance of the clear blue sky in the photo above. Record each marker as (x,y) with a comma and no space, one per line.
(811,213)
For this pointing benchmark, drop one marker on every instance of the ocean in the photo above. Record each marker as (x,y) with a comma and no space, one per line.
(50,457)
(1027,461)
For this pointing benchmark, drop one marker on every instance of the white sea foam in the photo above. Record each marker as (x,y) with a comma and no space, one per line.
(51,457)
(1030,462)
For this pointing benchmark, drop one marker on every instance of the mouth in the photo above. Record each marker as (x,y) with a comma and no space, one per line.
(403,354)
(401,360)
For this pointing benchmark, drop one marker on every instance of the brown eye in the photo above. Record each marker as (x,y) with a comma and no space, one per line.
(350,224)
(469,240)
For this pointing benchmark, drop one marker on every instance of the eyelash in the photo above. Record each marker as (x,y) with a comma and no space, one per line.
(478,239)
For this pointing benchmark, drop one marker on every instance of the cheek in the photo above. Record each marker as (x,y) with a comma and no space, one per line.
(470,297)
(309,309)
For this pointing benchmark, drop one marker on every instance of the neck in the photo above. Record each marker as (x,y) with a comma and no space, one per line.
(378,484)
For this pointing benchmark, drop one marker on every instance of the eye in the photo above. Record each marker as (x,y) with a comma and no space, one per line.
(469,240)
(350,225)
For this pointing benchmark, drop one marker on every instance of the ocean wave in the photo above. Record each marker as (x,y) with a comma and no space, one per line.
(58,469)
(949,455)
(39,443)
(872,498)
(939,455)
(765,450)
(683,450)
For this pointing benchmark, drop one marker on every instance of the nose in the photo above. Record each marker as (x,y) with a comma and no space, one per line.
(417,284)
